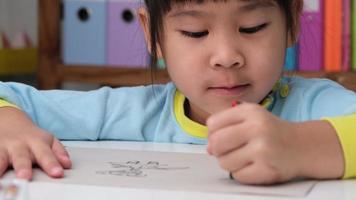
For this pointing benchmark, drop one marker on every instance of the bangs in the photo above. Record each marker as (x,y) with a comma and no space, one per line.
(164,6)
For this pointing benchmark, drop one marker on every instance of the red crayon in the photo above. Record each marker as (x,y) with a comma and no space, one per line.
(235,103)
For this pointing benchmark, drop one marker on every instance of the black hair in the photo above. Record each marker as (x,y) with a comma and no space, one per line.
(158,8)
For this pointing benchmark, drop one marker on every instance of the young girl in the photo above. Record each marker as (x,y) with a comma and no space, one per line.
(216,52)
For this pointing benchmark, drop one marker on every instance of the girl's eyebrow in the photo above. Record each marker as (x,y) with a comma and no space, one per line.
(190,13)
(251,5)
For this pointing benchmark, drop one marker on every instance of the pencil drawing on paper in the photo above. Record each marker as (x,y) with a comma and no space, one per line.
(136,168)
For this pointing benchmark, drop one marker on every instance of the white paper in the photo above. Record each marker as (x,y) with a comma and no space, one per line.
(161,171)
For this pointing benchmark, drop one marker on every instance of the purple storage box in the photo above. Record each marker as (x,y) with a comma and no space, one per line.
(126,43)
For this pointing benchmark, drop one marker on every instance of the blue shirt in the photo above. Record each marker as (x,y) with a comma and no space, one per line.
(149,113)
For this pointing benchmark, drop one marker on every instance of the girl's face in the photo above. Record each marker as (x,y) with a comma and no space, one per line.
(218,52)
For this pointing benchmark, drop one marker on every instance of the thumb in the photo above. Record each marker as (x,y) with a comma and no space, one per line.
(61,154)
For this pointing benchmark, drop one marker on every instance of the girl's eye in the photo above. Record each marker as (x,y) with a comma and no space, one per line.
(253,30)
(195,34)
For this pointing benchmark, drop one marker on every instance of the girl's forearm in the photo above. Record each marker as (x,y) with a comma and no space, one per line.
(320,150)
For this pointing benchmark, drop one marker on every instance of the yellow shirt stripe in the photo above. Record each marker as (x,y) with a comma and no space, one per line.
(4,103)
(346,130)
(189,126)
(193,128)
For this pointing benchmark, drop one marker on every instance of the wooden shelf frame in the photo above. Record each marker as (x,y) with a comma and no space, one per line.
(52,72)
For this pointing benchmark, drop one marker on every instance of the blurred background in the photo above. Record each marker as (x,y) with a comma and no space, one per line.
(101,43)
(17,16)
(18,20)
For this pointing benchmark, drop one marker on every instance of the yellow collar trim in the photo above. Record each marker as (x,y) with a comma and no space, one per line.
(192,128)
(200,131)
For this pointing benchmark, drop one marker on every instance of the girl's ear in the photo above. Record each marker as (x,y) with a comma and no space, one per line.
(145,24)
(144,21)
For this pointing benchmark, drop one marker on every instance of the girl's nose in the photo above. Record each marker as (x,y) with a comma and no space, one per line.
(227,54)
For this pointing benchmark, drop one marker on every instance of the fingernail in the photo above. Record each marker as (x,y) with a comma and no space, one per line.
(56,171)
(65,157)
(68,162)
(23,174)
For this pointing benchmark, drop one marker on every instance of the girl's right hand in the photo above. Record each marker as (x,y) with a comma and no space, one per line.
(23,144)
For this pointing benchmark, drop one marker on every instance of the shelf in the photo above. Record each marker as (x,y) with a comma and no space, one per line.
(52,72)
(113,76)
(347,79)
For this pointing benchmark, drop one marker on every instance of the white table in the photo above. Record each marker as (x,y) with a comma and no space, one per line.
(324,190)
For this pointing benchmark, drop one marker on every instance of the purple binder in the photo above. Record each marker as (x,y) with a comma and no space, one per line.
(126,43)
(311,37)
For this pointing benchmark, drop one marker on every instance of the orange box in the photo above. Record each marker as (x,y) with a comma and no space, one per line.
(333,35)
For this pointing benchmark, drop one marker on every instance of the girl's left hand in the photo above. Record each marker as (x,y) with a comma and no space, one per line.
(254,145)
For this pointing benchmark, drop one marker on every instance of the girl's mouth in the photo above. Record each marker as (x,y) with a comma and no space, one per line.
(236,90)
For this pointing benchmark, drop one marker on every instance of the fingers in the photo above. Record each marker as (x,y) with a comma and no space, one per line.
(22,144)
(256,174)
(50,160)
(235,160)
(61,154)
(235,115)
(4,162)
(47,160)
(21,161)
(227,139)
(223,119)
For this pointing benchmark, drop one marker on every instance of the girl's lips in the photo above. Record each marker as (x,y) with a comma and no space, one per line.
(230,91)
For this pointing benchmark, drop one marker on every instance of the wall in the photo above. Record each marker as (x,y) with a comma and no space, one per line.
(17,16)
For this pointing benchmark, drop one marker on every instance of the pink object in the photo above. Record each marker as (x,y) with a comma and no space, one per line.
(311,37)
(22,40)
(5,41)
